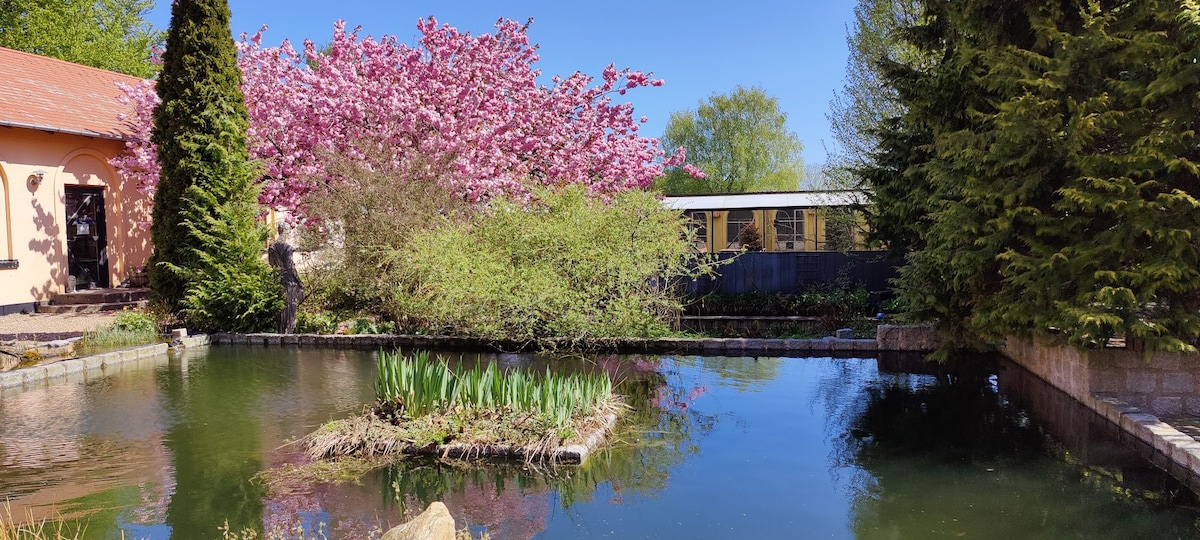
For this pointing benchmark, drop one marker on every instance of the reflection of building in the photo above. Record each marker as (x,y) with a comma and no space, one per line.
(786,221)
(68,443)
(64,211)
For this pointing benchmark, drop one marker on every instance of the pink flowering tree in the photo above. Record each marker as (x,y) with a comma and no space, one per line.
(470,105)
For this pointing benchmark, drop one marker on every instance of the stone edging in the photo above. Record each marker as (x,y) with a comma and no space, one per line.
(51,371)
(726,346)
(1097,378)
(715,346)
(1156,441)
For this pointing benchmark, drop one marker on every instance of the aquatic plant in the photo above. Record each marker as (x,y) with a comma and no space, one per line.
(416,386)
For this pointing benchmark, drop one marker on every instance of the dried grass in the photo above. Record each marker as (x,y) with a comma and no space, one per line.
(466,434)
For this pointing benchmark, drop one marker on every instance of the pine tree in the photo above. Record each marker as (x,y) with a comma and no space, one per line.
(206,262)
(1052,154)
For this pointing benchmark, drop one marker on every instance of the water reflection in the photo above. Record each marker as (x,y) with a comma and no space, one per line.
(949,456)
(712,447)
(515,500)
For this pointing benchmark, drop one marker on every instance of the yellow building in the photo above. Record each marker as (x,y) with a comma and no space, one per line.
(66,216)
(785,221)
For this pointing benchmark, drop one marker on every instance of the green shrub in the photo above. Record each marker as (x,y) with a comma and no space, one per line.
(362,221)
(135,321)
(365,325)
(564,266)
(233,298)
(319,322)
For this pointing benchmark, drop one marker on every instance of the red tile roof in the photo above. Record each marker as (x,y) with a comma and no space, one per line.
(43,93)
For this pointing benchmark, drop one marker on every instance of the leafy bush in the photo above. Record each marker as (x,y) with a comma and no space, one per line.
(367,325)
(318,322)
(331,322)
(564,266)
(362,221)
(135,321)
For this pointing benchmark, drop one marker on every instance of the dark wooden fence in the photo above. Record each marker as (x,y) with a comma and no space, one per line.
(793,272)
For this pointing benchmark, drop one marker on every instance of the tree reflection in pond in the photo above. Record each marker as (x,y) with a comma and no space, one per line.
(948,456)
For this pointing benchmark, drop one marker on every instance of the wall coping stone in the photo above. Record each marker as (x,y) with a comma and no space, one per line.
(95,364)
(1073,372)
(675,345)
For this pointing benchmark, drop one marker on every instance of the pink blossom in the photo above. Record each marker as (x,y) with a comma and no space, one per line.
(471,105)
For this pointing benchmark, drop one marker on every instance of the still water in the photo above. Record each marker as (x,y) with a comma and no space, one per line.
(715,447)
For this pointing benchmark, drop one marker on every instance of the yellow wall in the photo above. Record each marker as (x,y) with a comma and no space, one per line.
(32,217)
(814,230)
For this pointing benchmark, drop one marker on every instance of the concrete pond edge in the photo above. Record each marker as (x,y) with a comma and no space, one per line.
(97,364)
(1175,452)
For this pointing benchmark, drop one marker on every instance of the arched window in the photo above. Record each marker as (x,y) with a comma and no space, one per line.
(789,230)
(737,220)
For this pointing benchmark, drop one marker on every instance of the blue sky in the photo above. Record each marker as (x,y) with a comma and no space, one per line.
(793,49)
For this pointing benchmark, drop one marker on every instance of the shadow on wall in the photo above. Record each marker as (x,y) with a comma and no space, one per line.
(47,245)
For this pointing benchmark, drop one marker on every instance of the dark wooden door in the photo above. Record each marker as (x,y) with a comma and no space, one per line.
(87,255)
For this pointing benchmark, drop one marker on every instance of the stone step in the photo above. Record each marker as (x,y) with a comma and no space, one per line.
(91,308)
(101,296)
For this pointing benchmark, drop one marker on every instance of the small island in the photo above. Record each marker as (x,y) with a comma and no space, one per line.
(425,407)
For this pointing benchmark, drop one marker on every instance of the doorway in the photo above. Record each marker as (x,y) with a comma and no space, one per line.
(87,242)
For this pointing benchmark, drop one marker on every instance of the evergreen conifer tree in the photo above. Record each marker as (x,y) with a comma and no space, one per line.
(206,263)
(1044,172)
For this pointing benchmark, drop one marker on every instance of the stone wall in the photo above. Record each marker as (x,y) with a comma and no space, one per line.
(895,337)
(1164,384)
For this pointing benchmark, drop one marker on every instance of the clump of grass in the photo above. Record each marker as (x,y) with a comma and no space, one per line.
(33,529)
(129,328)
(417,386)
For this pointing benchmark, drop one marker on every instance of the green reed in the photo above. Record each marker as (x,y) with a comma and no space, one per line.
(422,386)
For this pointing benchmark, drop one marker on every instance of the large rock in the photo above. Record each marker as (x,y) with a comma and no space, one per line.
(435,523)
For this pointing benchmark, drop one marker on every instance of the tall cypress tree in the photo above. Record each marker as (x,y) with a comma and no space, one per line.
(206,263)
(1058,181)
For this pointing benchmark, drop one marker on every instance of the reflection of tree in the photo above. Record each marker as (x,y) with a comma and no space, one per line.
(216,442)
(947,456)
(739,372)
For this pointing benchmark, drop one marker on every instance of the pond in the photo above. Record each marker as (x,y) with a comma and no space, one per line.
(716,447)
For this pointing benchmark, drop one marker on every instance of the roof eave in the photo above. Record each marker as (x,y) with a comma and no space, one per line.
(53,129)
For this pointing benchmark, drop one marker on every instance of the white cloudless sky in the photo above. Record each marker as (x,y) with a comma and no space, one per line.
(793,49)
